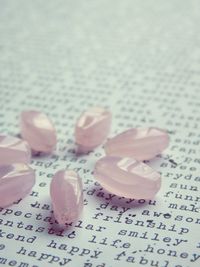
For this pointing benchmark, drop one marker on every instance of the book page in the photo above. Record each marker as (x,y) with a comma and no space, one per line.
(139,59)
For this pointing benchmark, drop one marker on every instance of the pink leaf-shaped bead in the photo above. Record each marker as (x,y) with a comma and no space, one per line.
(67,196)
(38,131)
(138,143)
(127,177)
(13,149)
(92,129)
(16,181)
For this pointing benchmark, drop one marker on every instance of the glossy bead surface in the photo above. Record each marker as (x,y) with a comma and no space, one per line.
(92,129)
(14,150)
(138,143)
(67,196)
(127,177)
(16,181)
(38,131)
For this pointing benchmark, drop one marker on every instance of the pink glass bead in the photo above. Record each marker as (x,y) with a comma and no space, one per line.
(92,129)
(16,181)
(67,196)
(127,177)
(13,149)
(138,143)
(38,131)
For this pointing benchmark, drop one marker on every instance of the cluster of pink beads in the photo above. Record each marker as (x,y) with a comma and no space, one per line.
(121,171)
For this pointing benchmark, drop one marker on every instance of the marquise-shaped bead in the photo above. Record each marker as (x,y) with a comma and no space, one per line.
(138,143)
(92,129)
(67,196)
(38,131)
(14,150)
(127,177)
(16,181)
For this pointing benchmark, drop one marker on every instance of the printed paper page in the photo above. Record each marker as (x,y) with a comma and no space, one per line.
(139,59)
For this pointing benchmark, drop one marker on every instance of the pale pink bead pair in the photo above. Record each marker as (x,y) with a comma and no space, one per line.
(121,172)
(66,186)
(16,177)
(91,130)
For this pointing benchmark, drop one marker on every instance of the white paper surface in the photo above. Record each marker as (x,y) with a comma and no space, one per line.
(140,59)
